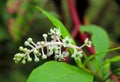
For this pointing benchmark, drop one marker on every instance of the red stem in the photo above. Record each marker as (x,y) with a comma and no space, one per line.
(77,23)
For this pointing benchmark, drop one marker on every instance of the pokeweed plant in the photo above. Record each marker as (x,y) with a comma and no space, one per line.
(61,46)
(53,47)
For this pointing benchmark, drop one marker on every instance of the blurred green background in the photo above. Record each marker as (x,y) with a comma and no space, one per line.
(19,19)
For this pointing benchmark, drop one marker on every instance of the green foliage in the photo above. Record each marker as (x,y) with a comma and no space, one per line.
(97,54)
(104,70)
(57,24)
(105,67)
(114,59)
(101,43)
(59,72)
(99,38)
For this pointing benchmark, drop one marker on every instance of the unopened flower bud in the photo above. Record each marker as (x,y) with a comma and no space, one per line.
(29,59)
(23,61)
(36,59)
(25,50)
(21,48)
(29,40)
(45,35)
(44,56)
(36,52)
(16,61)
(42,43)
(26,43)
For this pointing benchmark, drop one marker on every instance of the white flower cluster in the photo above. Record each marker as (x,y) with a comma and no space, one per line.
(43,49)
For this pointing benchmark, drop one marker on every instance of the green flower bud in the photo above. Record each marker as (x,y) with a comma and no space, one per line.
(29,59)
(44,56)
(21,48)
(23,61)
(26,43)
(36,52)
(36,59)
(45,35)
(42,43)
(16,61)
(25,50)
(14,58)
(30,40)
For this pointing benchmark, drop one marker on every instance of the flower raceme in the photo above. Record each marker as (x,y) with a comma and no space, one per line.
(44,49)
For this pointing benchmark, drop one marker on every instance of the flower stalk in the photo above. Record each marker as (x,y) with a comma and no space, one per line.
(54,47)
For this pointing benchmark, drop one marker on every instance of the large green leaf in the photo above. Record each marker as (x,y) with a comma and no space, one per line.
(57,24)
(99,38)
(59,72)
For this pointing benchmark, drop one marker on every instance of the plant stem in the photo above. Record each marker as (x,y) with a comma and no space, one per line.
(77,24)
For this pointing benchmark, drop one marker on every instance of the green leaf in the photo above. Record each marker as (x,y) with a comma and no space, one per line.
(98,54)
(114,59)
(57,24)
(99,38)
(105,67)
(59,72)
(105,70)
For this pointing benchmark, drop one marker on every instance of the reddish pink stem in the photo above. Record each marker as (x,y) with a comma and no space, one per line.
(77,23)
(75,17)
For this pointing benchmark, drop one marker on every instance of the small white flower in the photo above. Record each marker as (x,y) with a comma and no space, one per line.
(67,41)
(58,33)
(55,32)
(60,57)
(53,49)
(65,54)
(77,54)
(88,43)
